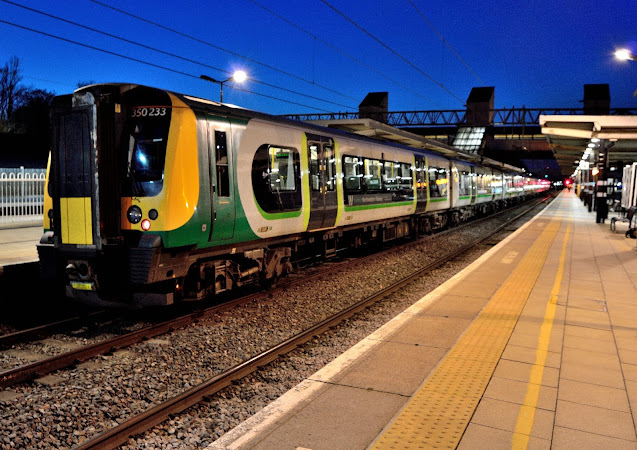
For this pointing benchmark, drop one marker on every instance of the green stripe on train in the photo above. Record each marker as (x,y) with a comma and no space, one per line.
(377,206)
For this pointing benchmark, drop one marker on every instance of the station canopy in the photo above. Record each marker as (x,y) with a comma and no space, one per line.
(569,137)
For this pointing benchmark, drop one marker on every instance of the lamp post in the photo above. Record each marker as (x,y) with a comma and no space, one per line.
(239,76)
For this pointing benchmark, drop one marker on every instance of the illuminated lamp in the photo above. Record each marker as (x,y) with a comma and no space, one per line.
(145,224)
(624,54)
(239,76)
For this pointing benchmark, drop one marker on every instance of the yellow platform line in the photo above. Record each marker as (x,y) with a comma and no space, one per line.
(439,412)
(526,417)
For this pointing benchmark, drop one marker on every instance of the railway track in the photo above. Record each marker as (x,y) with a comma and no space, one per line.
(10,377)
(23,373)
(159,413)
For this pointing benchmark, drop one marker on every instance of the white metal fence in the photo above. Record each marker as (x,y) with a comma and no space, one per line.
(21,195)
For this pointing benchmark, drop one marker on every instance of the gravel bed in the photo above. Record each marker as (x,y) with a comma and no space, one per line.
(23,353)
(70,406)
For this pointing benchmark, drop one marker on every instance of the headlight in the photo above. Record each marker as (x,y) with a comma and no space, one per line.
(134,214)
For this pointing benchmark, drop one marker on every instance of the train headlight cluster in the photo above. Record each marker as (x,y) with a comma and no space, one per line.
(134,214)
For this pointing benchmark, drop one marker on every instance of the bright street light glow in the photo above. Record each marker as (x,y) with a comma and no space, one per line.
(240,76)
(624,54)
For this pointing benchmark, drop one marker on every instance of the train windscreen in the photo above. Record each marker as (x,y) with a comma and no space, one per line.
(144,143)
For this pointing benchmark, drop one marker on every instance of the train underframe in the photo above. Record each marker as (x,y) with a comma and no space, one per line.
(148,274)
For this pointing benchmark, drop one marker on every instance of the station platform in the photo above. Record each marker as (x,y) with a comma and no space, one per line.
(534,345)
(18,244)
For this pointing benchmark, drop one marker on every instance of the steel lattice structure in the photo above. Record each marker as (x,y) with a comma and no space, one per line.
(501,117)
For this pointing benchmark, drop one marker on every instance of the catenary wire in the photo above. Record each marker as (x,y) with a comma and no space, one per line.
(201,41)
(130,58)
(342,52)
(433,80)
(173,55)
(422,16)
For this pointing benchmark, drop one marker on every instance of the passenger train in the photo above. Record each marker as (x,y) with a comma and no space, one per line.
(155,196)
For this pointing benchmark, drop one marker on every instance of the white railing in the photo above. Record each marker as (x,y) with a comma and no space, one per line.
(21,196)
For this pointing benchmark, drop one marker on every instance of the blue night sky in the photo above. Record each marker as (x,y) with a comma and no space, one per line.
(303,56)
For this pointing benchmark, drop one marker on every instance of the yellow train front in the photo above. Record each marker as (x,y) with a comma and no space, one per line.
(123,183)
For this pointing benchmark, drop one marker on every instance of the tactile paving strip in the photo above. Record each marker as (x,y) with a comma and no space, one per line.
(437,415)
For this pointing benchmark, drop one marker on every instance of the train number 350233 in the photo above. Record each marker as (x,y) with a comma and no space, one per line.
(148,112)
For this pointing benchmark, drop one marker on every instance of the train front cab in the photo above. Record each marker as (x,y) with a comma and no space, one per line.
(117,167)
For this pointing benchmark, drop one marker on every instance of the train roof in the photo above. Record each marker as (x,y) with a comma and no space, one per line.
(368,130)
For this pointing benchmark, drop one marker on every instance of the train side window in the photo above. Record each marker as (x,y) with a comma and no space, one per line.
(481,182)
(464,183)
(438,182)
(221,154)
(391,176)
(405,181)
(282,170)
(373,174)
(276,178)
(352,173)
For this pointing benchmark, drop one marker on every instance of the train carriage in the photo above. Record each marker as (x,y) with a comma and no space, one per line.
(154,195)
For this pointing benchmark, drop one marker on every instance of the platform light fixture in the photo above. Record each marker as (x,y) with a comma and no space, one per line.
(238,76)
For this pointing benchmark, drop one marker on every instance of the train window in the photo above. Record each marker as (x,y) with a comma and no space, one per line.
(482,184)
(330,168)
(147,141)
(315,174)
(144,140)
(405,180)
(221,154)
(276,178)
(391,176)
(438,182)
(352,173)
(421,174)
(373,174)
(464,183)
(282,170)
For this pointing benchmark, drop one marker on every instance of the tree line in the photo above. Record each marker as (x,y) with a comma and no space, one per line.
(23,109)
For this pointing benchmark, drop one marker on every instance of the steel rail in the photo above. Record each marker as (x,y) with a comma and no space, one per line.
(10,377)
(48,329)
(119,434)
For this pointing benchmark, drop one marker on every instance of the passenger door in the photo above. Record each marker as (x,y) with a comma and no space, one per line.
(221,176)
(322,165)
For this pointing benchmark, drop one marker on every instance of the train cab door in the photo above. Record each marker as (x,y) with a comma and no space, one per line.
(221,178)
(322,165)
(74,167)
